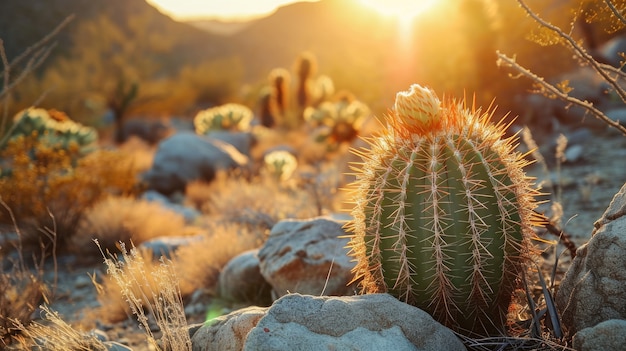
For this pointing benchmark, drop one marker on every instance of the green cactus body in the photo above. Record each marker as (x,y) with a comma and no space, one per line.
(443,213)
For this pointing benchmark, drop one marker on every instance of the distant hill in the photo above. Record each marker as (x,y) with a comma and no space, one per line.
(23,22)
(218,27)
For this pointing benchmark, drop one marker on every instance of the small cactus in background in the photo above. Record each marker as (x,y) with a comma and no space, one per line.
(53,128)
(228,117)
(280,164)
(443,213)
(324,89)
(305,70)
(337,122)
(279,81)
(267,108)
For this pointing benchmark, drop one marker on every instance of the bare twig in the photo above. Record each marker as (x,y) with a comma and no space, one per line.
(578,50)
(611,6)
(504,60)
(37,54)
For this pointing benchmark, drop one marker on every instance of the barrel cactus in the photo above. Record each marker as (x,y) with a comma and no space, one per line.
(443,213)
(227,117)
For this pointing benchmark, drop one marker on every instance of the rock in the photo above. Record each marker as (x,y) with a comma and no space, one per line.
(365,322)
(190,214)
(617,114)
(229,332)
(241,281)
(612,50)
(308,257)
(166,246)
(242,141)
(608,335)
(151,131)
(116,346)
(186,156)
(574,153)
(594,287)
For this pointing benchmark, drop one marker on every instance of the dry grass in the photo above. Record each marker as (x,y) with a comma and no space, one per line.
(151,290)
(126,219)
(199,265)
(56,335)
(20,293)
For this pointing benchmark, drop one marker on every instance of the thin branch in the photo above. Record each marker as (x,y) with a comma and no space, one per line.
(577,49)
(510,62)
(6,73)
(619,16)
(29,51)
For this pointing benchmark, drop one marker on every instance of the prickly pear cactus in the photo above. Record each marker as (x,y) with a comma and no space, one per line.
(53,128)
(231,117)
(443,213)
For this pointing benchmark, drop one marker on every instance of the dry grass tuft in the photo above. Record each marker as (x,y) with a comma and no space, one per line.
(262,201)
(56,335)
(126,219)
(151,289)
(199,265)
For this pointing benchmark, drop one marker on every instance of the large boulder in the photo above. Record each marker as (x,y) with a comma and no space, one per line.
(365,322)
(594,288)
(608,335)
(186,156)
(241,280)
(228,332)
(304,322)
(307,257)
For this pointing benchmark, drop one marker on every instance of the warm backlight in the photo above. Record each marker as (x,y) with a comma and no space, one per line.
(404,10)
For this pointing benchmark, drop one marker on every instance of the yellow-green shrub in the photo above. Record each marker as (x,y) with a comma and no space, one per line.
(51,187)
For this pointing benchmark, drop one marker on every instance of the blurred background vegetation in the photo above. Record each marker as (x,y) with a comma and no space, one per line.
(124,56)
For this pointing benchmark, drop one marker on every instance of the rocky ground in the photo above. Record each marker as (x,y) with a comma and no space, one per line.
(588,183)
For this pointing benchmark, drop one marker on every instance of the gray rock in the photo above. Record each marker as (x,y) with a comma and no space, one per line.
(116,346)
(594,287)
(228,332)
(166,246)
(148,130)
(241,280)
(242,141)
(608,335)
(190,214)
(308,257)
(186,156)
(574,153)
(366,322)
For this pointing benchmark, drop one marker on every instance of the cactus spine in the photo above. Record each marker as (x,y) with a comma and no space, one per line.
(443,213)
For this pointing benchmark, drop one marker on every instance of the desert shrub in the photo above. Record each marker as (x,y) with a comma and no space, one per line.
(51,187)
(126,219)
(258,203)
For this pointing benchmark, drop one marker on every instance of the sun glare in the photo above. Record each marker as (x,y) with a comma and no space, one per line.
(404,10)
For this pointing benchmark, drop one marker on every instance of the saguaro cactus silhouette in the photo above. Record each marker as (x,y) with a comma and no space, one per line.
(443,212)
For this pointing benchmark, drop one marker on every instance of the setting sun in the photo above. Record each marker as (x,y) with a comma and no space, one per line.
(404,10)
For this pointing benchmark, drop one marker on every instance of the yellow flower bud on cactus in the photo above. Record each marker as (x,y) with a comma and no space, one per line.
(418,109)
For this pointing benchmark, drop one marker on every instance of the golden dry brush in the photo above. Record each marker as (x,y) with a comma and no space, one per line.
(443,212)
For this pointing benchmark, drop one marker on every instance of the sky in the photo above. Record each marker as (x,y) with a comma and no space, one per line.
(220,9)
